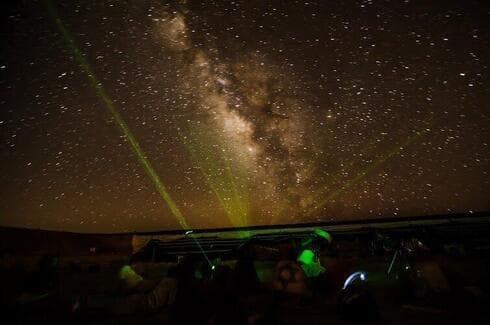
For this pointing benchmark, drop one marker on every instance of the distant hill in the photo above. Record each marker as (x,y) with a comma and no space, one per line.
(26,242)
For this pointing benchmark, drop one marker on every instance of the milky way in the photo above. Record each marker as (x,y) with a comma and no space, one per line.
(250,112)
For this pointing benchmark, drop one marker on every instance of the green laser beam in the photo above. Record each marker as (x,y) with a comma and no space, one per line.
(217,174)
(334,178)
(108,104)
(243,213)
(368,170)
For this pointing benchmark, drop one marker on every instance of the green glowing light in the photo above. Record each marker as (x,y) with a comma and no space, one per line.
(309,264)
(307,256)
(322,233)
(109,105)
(127,274)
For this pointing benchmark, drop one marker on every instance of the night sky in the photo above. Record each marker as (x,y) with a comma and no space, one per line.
(249,112)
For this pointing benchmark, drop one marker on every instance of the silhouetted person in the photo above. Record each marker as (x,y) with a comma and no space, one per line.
(245,279)
(45,278)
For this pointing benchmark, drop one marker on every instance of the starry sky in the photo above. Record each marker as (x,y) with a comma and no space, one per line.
(245,112)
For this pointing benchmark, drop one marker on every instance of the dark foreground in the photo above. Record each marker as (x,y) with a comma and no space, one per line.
(416,276)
